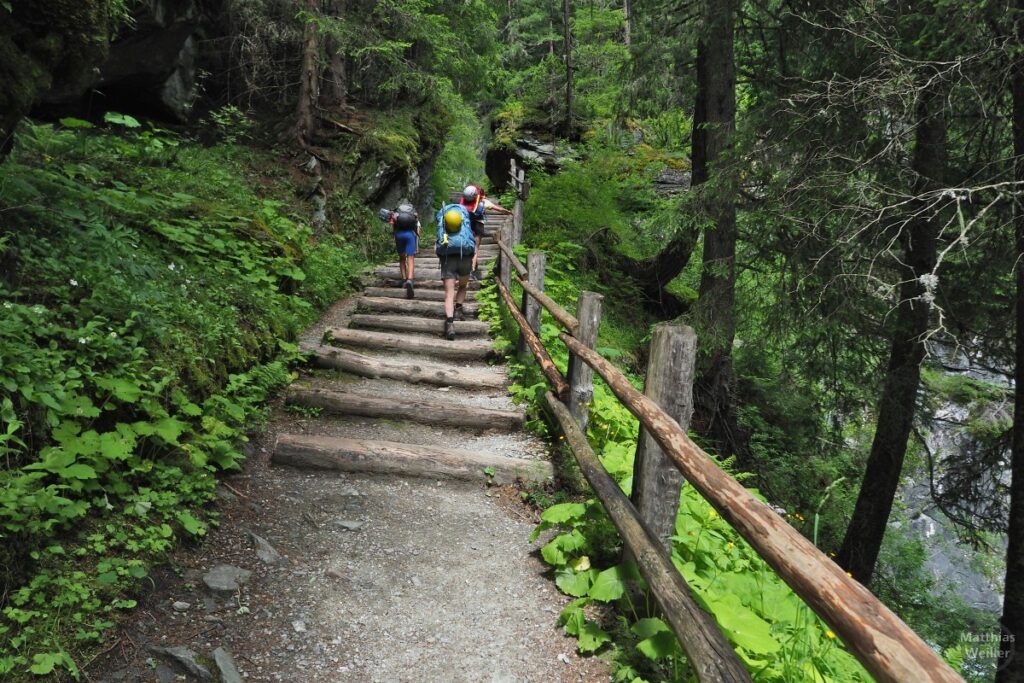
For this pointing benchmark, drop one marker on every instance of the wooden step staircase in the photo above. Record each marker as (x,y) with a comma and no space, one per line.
(438,406)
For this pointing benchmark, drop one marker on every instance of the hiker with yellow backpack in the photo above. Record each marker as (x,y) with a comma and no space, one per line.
(456,248)
(476,203)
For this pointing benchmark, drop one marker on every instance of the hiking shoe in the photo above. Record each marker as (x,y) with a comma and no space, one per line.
(449,330)
(459,313)
(409,291)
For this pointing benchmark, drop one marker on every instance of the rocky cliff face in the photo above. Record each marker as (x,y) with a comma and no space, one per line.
(151,67)
(46,45)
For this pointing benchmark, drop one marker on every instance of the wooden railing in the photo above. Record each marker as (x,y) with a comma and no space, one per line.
(886,646)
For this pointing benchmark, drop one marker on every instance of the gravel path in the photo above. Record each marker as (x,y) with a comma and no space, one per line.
(378,578)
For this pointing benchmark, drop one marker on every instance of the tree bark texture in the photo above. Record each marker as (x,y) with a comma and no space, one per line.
(567,39)
(309,79)
(336,67)
(437,374)
(713,132)
(896,406)
(627,9)
(391,408)
(408,323)
(1012,662)
(387,457)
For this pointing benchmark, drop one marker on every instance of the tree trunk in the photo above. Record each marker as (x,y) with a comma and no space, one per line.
(896,407)
(309,79)
(337,74)
(627,9)
(1012,667)
(567,38)
(713,130)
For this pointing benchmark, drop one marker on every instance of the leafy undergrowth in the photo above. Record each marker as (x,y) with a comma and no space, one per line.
(147,298)
(776,635)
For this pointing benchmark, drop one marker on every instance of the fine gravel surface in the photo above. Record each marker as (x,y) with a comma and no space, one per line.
(357,577)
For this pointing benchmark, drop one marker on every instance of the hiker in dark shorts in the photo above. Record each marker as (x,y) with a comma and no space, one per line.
(456,249)
(476,203)
(405,223)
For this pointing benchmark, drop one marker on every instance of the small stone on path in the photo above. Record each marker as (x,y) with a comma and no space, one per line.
(226,665)
(179,606)
(184,659)
(267,553)
(348,524)
(225,578)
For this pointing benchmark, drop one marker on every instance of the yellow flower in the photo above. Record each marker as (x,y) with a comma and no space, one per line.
(849,574)
(712,514)
(730,544)
(830,635)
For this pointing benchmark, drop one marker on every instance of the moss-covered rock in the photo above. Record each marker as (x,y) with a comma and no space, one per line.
(46,44)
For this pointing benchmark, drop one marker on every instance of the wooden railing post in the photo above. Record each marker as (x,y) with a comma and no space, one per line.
(535,262)
(581,376)
(504,263)
(656,480)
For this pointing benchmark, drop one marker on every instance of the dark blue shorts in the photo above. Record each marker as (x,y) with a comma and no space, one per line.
(406,243)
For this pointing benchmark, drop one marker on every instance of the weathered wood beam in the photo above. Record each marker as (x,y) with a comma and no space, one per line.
(710,654)
(536,261)
(421,295)
(438,374)
(409,306)
(581,377)
(387,457)
(547,366)
(669,383)
(886,646)
(393,273)
(509,255)
(564,317)
(408,323)
(421,284)
(437,412)
(459,349)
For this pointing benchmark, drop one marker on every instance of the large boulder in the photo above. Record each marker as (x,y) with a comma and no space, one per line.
(529,152)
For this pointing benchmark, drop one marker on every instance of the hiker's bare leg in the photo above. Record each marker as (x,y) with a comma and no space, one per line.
(449,298)
(460,296)
(411,269)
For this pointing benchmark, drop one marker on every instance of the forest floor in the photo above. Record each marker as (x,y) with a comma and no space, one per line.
(367,577)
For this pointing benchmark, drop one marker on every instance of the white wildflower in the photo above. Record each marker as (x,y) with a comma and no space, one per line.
(73,282)
(113,335)
(171,267)
(8,304)
(81,340)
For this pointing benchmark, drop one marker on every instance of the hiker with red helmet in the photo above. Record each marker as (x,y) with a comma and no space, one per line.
(476,203)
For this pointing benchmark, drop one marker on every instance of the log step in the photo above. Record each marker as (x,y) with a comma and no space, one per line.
(409,306)
(460,349)
(437,374)
(441,412)
(407,323)
(423,271)
(388,457)
(422,284)
(421,295)
(422,274)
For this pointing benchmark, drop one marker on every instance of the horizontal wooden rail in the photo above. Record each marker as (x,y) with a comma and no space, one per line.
(886,646)
(709,652)
(516,263)
(547,366)
(564,317)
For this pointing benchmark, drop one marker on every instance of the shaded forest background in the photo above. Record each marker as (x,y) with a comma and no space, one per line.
(828,192)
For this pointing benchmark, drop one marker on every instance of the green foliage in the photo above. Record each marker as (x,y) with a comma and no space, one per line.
(145,306)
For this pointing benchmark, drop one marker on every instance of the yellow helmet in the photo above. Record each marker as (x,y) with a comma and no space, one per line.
(452,221)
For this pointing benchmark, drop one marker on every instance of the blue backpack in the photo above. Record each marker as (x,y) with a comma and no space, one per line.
(462,242)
